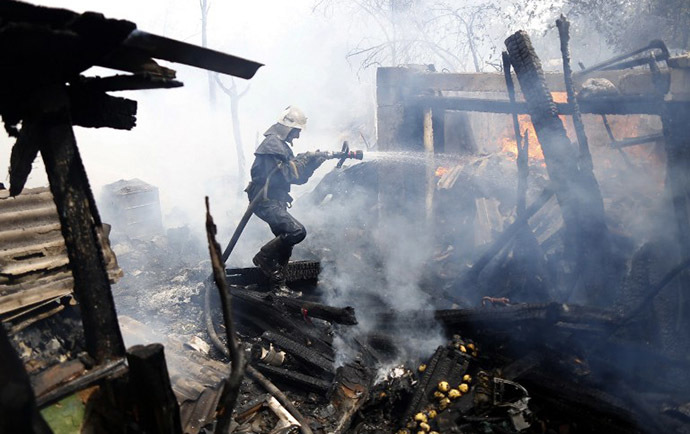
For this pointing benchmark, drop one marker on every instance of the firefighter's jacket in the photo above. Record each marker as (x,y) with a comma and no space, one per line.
(274,152)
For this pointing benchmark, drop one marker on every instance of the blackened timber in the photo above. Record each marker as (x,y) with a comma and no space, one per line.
(634,141)
(110,369)
(340,315)
(550,313)
(254,305)
(78,218)
(231,385)
(585,159)
(419,398)
(96,109)
(295,378)
(677,135)
(156,405)
(160,47)
(301,352)
(565,315)
(18,409)
(508,234)
(586,236)
(139,81)
(618,105)
(24,152)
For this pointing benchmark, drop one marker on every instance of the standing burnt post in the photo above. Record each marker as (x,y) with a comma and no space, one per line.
(586,234)
(50,125)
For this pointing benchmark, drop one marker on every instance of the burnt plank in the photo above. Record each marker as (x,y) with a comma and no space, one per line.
(142,80)
(95,109)
(157,406)
(18,409)
(80,224)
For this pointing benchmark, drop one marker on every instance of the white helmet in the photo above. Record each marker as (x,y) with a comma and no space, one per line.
(293,117)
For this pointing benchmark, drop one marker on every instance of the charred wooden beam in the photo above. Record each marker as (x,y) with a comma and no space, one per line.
(618,105)
(109,369)
(232,384)
(592,406)
(95,109)
(677,135)
(80,223)
(257,307)
(586,234)
(296,271)
(18,409)
(339,315)
(350,391)
(519,224)
(297,379)
(24,152)
(550,312)
(155,402)
(565,316)
(634,141)
(447,365)
(301,352)
(139,81)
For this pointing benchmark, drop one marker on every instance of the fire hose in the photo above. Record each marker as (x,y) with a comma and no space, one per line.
(344,154)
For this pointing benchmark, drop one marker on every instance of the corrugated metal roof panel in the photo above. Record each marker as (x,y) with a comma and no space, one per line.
(34,266)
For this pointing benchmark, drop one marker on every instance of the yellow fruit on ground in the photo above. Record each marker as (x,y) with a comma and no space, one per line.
(422,368)
(420,417)
(432,414)
(445,402)
(425,426)
(470,346)
(454,394)
(443,386)
(439,395)
(463,388)
(463,349)
(466,378)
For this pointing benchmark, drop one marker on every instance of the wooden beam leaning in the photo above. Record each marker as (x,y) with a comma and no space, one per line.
(52,124)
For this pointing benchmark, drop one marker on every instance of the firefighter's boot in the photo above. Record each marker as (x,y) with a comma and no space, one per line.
(268,258)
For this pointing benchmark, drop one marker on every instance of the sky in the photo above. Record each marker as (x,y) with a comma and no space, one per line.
(181,143)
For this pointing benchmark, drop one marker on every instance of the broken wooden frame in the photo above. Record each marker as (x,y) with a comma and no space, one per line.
(48,102)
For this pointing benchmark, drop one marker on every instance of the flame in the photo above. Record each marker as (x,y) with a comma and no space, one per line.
(508,143)
(440,171)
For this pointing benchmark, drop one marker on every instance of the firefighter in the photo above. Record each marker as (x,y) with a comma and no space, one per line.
(277,168)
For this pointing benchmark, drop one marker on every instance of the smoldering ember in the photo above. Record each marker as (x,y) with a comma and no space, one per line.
(496,243)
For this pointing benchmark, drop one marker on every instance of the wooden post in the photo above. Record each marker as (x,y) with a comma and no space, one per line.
(18,410)
(677,138)
(154,399)
(390,121)
(430,166)
(51,126)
